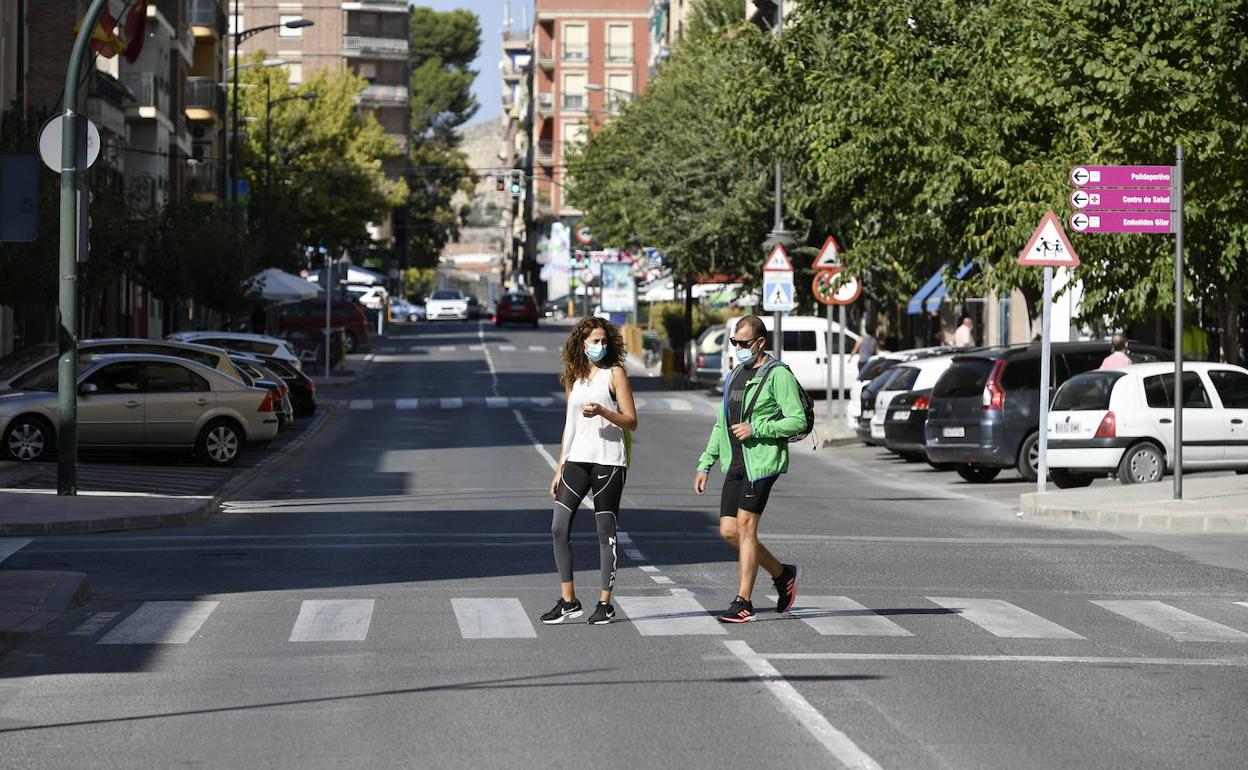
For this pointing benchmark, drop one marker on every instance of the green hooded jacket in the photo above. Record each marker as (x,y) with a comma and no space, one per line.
(777,415)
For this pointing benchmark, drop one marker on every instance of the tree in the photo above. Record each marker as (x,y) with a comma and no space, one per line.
(443,46)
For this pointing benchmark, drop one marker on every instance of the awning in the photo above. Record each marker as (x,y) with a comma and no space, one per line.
(932,293)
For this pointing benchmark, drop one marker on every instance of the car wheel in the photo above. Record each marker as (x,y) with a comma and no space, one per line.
(29,439)
(352,342)
(978,474)
(1029,458)
(220,443)
(1064,479)
(1142,464)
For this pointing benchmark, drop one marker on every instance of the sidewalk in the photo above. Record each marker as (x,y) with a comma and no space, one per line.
(43,512)
(1209,504)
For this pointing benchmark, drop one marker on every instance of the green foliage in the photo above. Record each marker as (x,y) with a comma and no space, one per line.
(418,281)
(714,18)
(668,318)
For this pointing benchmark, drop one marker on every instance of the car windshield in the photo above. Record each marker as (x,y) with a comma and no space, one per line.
(874,368)
(44,376)
(447,294)
(17,362)
(1086,392)
(904,378)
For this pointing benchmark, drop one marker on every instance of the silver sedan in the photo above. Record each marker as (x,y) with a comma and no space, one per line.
(139,401)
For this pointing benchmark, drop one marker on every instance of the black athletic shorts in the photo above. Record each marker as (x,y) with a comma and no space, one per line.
(740,493)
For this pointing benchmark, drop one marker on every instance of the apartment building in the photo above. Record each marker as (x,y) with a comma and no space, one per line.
(206,171)
(668,19)
(592,55)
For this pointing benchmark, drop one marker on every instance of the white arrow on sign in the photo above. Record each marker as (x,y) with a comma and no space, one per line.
(1079,221)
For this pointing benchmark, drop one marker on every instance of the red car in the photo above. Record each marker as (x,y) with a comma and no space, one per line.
(308,317)
(516,308)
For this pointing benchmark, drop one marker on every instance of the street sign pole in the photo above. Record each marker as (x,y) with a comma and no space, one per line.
(1177,197)
(67,299)
(1046,349)
(828,352)
(840,354)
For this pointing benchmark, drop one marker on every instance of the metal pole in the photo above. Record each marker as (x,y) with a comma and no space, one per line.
(778,342)
(234,117)
(827,351)
(840,353)
(327,298)
(67,299)
(1046,349)
(1177,197)
(268,133)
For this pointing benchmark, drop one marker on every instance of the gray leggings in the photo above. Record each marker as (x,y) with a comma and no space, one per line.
(607,483)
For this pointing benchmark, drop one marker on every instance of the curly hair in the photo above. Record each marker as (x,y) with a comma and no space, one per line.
(576,365)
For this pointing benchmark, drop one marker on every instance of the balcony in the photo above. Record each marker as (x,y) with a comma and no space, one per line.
(358,46)
(575,54)
(206,18)
(201,180)
(619,54)
(151,95)
(377,6)
(384,96)
(574,102)
(511,72)
(545,104)
(546,152)
(546,60)
(516,40)
(204,100)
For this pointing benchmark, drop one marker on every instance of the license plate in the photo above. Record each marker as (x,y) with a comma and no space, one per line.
(902,414)
(1066,427)
(956,431)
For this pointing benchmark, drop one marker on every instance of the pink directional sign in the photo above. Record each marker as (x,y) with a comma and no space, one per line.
(1121,222)
(1121,176)
(1122,200)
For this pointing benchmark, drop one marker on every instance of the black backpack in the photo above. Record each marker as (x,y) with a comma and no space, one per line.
(808,403)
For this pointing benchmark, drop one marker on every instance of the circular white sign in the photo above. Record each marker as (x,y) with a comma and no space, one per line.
(1079,221)
(50,142)
(848,291)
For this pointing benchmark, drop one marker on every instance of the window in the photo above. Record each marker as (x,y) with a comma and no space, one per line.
(1021,374)
(172,378)
(619,42)
(575,42)
(14,363)
(904,379)
(1232,386)
(573,135)
(619,88)
(296,72)
(1159,392)
(447,294)
(1076,363)
(117,378)
(369,23)
(574,91)
(800,342)
(367,70)
(964,379)
(874,368)
(1086,392)
(285,31)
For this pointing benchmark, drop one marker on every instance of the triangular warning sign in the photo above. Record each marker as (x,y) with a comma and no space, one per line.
(778,260)
(829,255)
(1049,246)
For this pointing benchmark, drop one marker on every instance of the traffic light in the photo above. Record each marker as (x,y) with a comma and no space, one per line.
(500,183)
(517,183)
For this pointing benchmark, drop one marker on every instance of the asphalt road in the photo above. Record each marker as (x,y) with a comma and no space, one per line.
(371,601)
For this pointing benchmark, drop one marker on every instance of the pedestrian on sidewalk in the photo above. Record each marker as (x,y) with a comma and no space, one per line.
(962,337)
(761,409)
(593,456)
(1118,357)
(865,348)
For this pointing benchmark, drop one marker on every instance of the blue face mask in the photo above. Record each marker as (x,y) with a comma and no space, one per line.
(596,352)
(745,356)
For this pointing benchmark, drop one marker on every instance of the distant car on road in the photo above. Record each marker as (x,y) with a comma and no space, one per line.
(706,352)
(402,310)
(307,318)
(446,304)
(474,307)
(516,307)
(141,401)
(1121,421)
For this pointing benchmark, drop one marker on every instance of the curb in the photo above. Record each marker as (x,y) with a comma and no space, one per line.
(839,441)
(71,589)
(1126,520)
(182,518)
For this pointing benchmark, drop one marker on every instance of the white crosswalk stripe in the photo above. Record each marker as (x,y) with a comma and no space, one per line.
(492,619)
(497,402)
(453,403)
(537,348)
(542,402)
(161,623)
(668,616)
(333,620)
(678,405)
(407,403)
(1172,621)
(447,348)
(842,616)
(506,348)
(1000,618)
(360,403)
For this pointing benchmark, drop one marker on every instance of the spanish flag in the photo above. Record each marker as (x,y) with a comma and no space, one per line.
(107,43)
(104,40)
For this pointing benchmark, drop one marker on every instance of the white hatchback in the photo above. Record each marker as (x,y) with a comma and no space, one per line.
(919,374)
(446,303)
(1122,421)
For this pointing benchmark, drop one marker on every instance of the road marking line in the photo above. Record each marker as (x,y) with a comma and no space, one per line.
(446,347)
(634,554)
(924,658)
(360,403)
(836,742)
(541,401)
(94,623)
(1172,621)
(333,620)
(639,403)
(528,432)
(842,616)
(11,545)
(506,348)
(497,402)
(537,348)
(407,403)
(161,623)
(1000,618)
(662,580)
(492,619)
(678,405)
(669,616)
(623,538)
(452,403)
(476,348)
(489,362)
(649,568)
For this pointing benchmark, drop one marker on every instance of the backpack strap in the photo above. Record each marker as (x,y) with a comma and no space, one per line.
(767,367)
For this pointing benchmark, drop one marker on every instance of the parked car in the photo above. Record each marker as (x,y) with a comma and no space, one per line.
(707,354)
(516,307)
(905,425)
(866,411)
(241,342)
(875,366)
(556,308)
(141,401)
(919,374)
(302,390)
(446,303)
(474,307)
(984,413)
(1121,421)
(803,350)
(30,362)
(261,376)
(307,317)
(402,310)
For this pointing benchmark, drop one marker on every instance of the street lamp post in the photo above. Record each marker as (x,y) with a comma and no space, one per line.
(239,36)
(629,95)
(779,235)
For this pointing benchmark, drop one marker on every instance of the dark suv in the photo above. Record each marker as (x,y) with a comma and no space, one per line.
(984,412)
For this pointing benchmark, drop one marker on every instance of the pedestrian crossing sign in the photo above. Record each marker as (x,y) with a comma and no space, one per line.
(778,292)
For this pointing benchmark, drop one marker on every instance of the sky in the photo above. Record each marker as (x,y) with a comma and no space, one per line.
(488,87)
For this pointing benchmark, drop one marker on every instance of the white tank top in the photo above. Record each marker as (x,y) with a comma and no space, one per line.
(593,439)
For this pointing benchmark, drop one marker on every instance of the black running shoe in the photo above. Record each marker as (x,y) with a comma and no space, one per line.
(562,611)
(604,613)
(786,587)
(740,611)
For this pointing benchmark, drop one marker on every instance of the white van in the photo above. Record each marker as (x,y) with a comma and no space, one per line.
(804,350)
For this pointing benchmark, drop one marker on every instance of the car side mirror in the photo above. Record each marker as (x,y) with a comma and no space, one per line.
(88,388)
